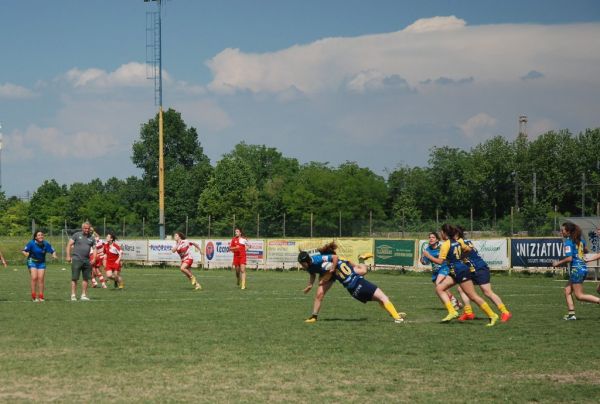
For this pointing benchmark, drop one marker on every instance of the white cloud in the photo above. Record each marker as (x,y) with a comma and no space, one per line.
(442,47)
(539,126)
(81,145)
(477,124)
(128,75)
(13,91)
(204,114)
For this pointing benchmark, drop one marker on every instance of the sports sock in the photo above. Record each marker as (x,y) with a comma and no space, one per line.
(503,309)
(487,309)
(468,309)
(450,308)
(389,307)
(243,284)
(41,295)
(33,295)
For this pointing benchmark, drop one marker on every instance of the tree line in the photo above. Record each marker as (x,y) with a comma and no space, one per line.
(500,184)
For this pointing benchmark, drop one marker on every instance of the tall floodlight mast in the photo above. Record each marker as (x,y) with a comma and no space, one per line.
(154,67)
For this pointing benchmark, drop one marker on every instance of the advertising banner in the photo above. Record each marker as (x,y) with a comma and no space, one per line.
(134,250)
(255,254)
(493,251)
(395,252)
(217,254)
(160,251)
(535,252)
(282,253)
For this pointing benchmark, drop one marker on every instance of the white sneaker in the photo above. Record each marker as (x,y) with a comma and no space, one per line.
(73,298)
(398,320)
(84,298)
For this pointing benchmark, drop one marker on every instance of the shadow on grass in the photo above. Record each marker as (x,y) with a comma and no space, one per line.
(344,319)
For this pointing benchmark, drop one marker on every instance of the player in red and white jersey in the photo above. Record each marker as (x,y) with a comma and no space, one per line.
(97,264)
(238,246)
(112,260)
(183,247)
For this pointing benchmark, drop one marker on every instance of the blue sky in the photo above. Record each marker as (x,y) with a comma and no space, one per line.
(378,82)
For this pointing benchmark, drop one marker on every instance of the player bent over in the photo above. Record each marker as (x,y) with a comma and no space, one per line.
(330,267)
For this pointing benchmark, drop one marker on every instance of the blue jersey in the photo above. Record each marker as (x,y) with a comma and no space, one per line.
(576,252)
(316,266)
(473,256)
(435,252)
(451,252)
(37,251)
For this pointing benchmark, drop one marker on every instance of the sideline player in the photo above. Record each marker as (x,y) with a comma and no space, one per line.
(239,245)
(112,260)
(183,248)
(35,251)
(574,250)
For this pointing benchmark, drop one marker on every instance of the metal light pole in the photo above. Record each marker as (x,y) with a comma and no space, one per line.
(156,62)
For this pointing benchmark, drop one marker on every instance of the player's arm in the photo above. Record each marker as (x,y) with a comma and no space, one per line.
(438,260)
(52,251)
(24,251)
(3,260)
(174,249)
(69,248)
(93,252)
(197,246)
(311,281)
(334,262)
(593,258)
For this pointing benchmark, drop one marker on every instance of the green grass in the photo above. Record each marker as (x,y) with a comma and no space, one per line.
(158,340)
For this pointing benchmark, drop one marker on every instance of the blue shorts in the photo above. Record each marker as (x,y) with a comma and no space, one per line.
(481,276)
(444,271)
(363,291)
(577,274)
(31,264)
(461,274)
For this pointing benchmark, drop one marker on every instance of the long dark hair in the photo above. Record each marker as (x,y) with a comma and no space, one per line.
(449,230)
(328,248)
(112,236)
(460,231)
(574,232)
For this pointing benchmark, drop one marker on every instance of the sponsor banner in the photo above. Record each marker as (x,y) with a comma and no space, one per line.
(217,254)
(493,251)
(348,248)
(160,251)
(535,252)
(255,254)
(134,250)
(282,253)
(395,252)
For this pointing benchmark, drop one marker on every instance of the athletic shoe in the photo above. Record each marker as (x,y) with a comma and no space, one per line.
(399,320)
(493,321)
(197,286)
(311,319)
(569,317)
(466,317)
(363,257)
(73,298)
(104,286)
(35,300)
(84,298)
(94,284)
(450,317)
(41,299)
(505,317)
(122,285)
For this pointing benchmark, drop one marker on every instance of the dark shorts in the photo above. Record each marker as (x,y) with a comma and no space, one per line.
(461,274)
(481,276)
(363,291)
(81,267)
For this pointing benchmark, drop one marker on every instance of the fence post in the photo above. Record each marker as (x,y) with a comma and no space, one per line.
(208,226)
(233,228)
(104,228)
(311,224)
(370,223)
(257,225)
(340,225)
(143,227)
(283,224)
(186,225)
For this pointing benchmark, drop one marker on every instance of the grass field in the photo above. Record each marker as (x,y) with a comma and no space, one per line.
(158,340)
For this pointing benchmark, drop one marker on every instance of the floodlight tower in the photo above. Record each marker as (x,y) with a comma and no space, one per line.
(154,50)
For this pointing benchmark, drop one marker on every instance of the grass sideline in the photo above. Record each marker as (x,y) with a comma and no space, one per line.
(158,340)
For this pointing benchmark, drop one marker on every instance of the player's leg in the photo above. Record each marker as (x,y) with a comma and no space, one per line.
(33,275)
(243,276)
(487,291)
(387,305)
(469,289)
(441,289)
(324,286)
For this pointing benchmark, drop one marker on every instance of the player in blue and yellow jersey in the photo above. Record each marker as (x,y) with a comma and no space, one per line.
(574,250)
(439,272)
(481,277)
(35,251)
(460,273)
(330,267)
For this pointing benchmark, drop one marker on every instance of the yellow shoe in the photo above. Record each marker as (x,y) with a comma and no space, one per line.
(450,317)
(122,285)
(493,321)
(311,319)
(197,286)
(363,257)
(193,280)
